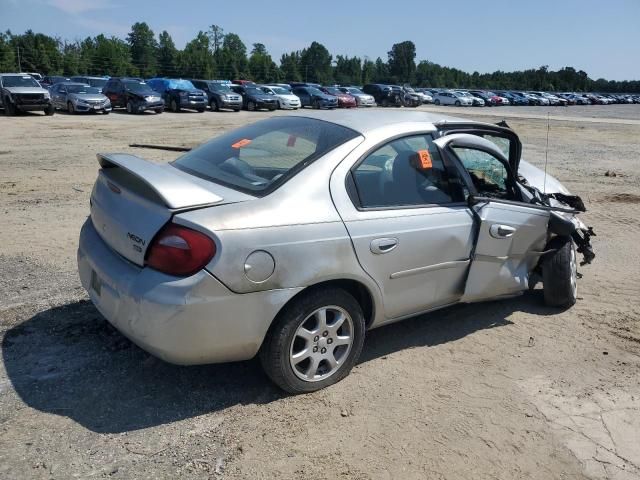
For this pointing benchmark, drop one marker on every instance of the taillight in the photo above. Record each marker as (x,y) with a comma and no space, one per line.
(180,251)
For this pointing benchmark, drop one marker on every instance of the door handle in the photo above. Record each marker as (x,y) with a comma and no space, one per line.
(501,231)
(383,245)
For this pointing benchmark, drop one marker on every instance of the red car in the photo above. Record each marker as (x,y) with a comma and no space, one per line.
(344,100)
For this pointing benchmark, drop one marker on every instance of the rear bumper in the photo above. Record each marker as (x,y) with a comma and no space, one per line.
(187,321)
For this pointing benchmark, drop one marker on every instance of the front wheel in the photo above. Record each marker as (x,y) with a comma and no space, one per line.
(315,341)
(458,103)
(251,106)
(173,105)
(560,273)
(50,110)
(70,108)
(437,102)
(130,108)
(316,104)
(214,106)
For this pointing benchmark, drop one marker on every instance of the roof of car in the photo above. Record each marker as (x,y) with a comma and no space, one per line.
(367,121)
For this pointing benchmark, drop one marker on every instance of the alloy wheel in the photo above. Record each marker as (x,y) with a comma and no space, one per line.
(321,343)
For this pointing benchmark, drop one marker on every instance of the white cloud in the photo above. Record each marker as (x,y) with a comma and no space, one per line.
(79,6)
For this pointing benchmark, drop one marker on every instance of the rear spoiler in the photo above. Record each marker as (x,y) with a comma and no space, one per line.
(174,188)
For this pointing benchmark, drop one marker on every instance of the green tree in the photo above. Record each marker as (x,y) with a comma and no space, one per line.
(232,57)
(402,64)
(167,56)
(143,45)
(290,67)
(111,56)
(216,37)
(7,55)
(196,60)
(262,68)
(315,63)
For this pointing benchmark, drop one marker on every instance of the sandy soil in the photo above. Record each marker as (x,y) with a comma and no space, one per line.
(505,390)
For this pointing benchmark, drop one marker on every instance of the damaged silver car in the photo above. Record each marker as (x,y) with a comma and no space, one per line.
(291,237)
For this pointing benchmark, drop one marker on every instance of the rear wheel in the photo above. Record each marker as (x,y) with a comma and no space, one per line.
(214,106)
(173,105)
(70,108)
(251,106)
(316,104)
(130,108)
(560,273)
(314,342)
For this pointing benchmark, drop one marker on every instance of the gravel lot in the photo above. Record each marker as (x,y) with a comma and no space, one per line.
(506,390)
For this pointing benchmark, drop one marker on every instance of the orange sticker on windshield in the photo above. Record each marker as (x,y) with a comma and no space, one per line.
(241,143)
(424,160)
(292,141)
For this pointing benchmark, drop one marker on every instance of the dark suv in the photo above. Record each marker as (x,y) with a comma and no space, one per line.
(179,94)
(133,94)
(219,94)
(383,94)
(255,99)
(314,97)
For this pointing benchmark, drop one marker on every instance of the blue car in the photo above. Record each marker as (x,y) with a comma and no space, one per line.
(179,94)
(314,97)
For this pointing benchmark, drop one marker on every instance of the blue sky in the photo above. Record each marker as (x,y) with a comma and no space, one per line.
(602,38)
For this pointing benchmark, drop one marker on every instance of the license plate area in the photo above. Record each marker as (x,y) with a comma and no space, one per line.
(96,283)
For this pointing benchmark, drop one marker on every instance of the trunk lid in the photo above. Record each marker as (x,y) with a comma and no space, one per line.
(133,199)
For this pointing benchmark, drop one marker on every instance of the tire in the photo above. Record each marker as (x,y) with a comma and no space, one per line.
(159,110)
(173,106)
(316,104)
(129,107)
(70,108)
(284,338)
(9,108)
(384,103)
(560,273)
(437,101)
(279,105)
(214,106)
(106,112)
(201,110)
(458,103)
(236,110)
(251,106)
(50,110)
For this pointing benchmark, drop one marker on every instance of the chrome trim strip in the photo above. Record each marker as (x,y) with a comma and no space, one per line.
(429,268)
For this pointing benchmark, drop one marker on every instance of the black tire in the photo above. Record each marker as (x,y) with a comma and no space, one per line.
(106,112)
(251,106)
(458,103)
(129,106)
(275,351)
(70,108)
(159,110)
(173,106)
(201,110)
(236,110)
(316,104)
(9,108)
(437,101)
(214,105)
(559,273)
(50,110)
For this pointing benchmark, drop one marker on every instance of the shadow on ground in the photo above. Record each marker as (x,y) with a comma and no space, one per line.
(69,361)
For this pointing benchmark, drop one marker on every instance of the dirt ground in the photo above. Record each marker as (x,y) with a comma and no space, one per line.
(502,390)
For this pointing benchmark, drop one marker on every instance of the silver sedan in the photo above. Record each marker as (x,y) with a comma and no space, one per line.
(79,97)
(291,237)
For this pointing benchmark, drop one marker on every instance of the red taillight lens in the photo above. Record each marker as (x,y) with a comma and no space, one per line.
(180,251)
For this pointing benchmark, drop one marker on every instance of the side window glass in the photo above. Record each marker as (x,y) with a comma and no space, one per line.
(488,174)
(501,142)
(406,172)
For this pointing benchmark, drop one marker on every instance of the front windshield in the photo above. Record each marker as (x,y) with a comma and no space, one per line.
(181,85)
(97,82)
(82,89)
(355,90)
(314,91)
(491,94)
(254,91)
(333,91)
(19,81)
(139,88)
(220,87)
(258,158)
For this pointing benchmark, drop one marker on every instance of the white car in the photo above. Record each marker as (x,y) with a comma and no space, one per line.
(286,99)
(452,98)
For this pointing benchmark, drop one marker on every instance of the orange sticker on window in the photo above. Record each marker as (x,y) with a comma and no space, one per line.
(241,143)
(424,160)
(292,141)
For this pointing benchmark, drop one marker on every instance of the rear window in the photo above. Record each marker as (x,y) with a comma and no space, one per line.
(258,158)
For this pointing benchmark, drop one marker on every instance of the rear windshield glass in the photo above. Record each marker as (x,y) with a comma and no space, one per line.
(260,157)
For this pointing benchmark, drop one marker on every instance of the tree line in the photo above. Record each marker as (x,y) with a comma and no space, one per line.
(216,54)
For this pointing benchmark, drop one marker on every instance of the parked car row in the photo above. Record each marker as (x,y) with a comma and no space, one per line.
(31,91)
